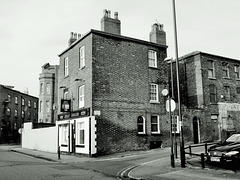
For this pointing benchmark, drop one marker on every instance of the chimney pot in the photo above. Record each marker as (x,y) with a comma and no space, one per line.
(105,13)
(116,15)
(109,13)
(79,36)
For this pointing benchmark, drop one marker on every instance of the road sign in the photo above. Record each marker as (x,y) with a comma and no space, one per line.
(172,103)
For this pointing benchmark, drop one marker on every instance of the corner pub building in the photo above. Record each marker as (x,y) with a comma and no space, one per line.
(109,91)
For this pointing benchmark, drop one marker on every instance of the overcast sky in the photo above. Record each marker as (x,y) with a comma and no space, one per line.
(34,32)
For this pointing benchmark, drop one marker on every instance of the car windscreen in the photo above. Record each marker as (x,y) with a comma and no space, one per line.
(234,138)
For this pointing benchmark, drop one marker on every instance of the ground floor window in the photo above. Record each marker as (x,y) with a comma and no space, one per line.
(141,125)
(65,134)
(155,125)
(81,133)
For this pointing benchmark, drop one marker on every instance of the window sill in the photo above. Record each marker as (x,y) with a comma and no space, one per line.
(141,134)
(155,133)
(212,78)
(80,146)
(154,102)
(82,68)
(227,78)
(237,79)
(152,67)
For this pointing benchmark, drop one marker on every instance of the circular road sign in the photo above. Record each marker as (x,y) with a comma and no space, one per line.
(172,104)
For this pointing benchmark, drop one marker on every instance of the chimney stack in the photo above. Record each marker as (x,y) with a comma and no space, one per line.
(73,38)
(157,35)
(109,24)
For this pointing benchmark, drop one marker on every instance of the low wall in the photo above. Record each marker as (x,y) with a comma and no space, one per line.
(43,139)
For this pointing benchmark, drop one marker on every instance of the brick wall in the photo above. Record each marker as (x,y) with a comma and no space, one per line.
(121,78)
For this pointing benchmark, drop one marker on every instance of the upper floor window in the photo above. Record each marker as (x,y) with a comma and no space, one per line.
(16,100)
(227,93)
(65,93)
(82,57)
(8,111)
(213,93)
(81,96)
(153,92)
(225,70)
(155,124)
(238,90)
(35,105)
(152,58)
(16,113)
(47,106)
(141,125)
(9,98)
(41,88)
(211,69)
(23,114)
(41,106)
(236,71)
(23,102)
(66,70)
(29,103)
(48,88)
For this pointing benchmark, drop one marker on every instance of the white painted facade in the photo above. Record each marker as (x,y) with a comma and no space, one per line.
(77,135)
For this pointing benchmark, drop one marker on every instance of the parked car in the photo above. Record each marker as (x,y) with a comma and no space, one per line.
(229,150)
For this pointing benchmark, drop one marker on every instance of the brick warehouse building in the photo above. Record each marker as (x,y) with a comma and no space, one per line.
(110,86)
(16,108)
(210,86)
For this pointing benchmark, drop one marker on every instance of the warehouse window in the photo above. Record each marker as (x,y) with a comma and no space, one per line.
(225,67)
(213,93)
(211,69)
(155,125)
(237,71)
(152,58)
(227,93)
(141,125)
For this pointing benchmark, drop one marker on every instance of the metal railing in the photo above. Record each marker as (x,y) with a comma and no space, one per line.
(202,155)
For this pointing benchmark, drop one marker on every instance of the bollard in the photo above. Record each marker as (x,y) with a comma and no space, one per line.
(59,152)
(206,151)
(202,160)
(190,150)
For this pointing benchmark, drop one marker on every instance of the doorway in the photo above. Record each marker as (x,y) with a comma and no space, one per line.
(196,130)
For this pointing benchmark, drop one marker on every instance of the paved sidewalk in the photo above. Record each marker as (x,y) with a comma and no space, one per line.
(158,169)
(162,170)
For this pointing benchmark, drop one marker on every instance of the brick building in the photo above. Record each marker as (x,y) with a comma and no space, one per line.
(16,108)
(109,91)
(210,86)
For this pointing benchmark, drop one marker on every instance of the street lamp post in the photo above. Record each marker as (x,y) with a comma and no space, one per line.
(170,108)
(173,97)
(182,152)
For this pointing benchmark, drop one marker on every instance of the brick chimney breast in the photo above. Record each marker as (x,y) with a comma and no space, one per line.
(157,35)
(109,24)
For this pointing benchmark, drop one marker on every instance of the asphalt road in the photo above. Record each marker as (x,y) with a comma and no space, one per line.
(21,167)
